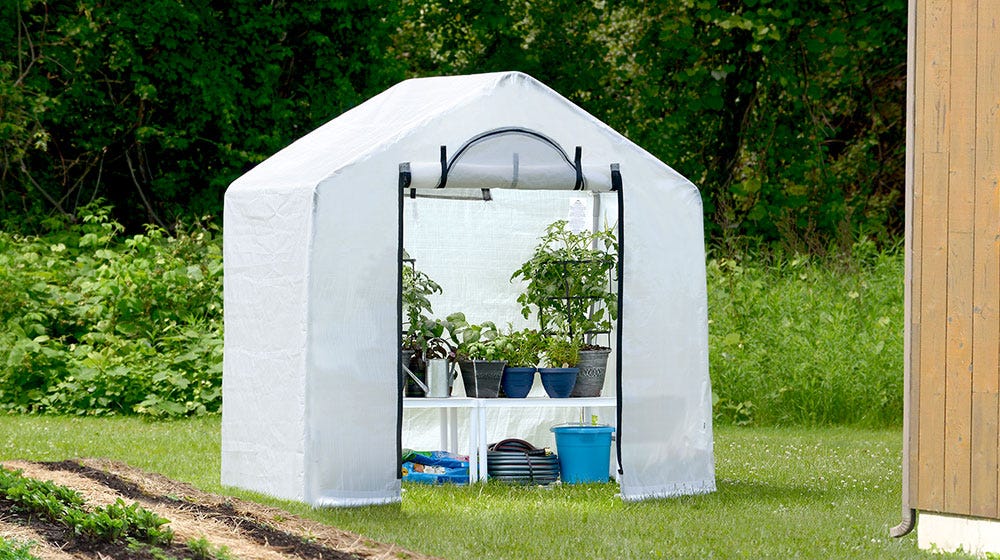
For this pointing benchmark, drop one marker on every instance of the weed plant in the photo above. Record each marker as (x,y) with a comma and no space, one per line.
(804,341)
(202,549)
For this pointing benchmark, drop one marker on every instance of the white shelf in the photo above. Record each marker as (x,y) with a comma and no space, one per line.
(530,402)
(477,419)
(546,402)
(439,402)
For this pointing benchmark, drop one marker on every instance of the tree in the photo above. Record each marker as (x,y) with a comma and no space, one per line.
(157,106)
(788,114)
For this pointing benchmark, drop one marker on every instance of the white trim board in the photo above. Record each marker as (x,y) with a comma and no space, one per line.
(950,533)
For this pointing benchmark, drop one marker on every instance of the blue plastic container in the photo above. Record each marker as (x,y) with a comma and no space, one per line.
(517,381)
(584,452)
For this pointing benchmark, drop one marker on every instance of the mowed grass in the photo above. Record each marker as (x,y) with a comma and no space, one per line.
(783,493)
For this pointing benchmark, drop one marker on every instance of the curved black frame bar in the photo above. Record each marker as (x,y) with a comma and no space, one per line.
(448,163)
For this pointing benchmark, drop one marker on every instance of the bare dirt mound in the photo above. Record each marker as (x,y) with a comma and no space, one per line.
(247,530)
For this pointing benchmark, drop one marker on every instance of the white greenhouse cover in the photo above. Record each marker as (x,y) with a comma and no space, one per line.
(310,384)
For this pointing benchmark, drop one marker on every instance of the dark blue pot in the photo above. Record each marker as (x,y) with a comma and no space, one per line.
(558,382)
(517,381)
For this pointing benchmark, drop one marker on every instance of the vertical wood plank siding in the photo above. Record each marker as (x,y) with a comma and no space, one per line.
(961,210)
(986,284)
(954,272)
(932,139)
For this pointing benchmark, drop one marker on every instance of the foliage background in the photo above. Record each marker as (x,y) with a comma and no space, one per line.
(157,106)
(97,323)
(787,113)
(121,124)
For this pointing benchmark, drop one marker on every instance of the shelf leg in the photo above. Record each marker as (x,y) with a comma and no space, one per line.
(473,445)
(444,427)
(483,443)
(453,430)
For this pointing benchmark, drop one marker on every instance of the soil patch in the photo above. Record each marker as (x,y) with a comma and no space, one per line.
(247,530)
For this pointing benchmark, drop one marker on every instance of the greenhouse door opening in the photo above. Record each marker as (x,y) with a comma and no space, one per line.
(480,213)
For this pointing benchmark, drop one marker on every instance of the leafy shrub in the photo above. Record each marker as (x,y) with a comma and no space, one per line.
(99,324)
(807,342)
(93,322)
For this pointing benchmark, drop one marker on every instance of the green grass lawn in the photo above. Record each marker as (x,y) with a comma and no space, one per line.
(783,493)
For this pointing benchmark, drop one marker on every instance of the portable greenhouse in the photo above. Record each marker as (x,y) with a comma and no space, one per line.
(313,240)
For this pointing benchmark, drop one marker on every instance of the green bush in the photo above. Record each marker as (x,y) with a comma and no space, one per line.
(807,342)
(94,323)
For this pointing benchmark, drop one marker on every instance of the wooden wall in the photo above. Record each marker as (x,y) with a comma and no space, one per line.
(953,263)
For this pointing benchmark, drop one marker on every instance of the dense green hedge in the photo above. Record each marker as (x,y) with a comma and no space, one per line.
(92,322)
(787,113)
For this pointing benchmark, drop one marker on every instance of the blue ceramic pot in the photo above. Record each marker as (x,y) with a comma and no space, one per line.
(558,382)
(517,381)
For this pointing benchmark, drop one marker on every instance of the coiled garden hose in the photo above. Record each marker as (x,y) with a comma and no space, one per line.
(515,460)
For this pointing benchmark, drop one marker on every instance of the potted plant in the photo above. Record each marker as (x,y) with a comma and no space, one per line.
(561,358)
(417,328)
(477,354)
(569,288)
(521,350)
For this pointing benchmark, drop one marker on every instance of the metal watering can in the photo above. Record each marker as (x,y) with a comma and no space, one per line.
(440,375)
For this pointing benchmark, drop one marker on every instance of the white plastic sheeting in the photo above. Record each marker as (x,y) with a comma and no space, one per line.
(310,381)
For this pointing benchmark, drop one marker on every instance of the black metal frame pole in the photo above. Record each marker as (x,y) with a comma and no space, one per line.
(404,181)
(616,185)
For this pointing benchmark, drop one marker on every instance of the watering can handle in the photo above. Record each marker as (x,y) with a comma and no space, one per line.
(414,377)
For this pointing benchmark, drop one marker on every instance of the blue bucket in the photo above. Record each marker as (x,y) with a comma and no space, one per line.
(584,452)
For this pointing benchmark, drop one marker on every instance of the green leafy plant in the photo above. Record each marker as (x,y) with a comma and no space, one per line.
(12,549)
(202,549)
(472,341)
(60,504)
(561,352)
(520,348)
(155,552)
(568,281)
(439,348)
(98,323)
(418,327)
